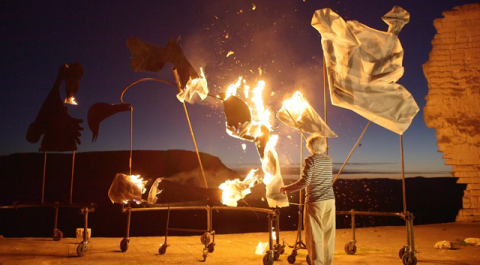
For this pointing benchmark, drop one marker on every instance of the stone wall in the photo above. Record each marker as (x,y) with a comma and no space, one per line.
(453,101)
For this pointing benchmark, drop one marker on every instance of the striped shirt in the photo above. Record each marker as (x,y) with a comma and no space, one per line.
(316,179)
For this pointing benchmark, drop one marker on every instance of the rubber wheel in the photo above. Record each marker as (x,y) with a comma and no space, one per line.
(267,259)
(205,239)
(350,248)
(82,249)
(401,252)
(124,245)
(291,259)
(211,247)
(282,250)
(308,260)
(57,235)
(409,259)
(162,249)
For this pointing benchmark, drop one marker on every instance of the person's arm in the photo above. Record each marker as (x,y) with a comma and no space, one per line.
(304,180)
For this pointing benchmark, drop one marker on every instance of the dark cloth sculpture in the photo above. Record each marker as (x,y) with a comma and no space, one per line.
(100,111)
(61,131)
(148,57)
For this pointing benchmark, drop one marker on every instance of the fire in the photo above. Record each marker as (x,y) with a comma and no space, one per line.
(267,165)
(230,52)
(262,115)
(71,101)
(235,190)
(295,104)
(138,181)
(232,88)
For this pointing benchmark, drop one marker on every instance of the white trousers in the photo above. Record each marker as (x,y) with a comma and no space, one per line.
(319,223)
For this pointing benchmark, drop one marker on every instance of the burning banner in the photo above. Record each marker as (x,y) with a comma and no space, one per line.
(363,66)
(254,127)
(235,190)
(197,85)
(297,113)
(126,188)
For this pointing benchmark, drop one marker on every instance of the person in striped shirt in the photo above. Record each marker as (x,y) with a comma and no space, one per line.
(319,213)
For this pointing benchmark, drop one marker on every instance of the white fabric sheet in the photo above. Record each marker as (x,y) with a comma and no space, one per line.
(363,66)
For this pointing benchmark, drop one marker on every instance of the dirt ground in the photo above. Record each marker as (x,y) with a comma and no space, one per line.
(375,245)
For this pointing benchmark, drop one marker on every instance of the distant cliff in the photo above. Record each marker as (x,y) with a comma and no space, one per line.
(21,174)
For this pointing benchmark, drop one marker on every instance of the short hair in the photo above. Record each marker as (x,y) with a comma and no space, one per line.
(317,144)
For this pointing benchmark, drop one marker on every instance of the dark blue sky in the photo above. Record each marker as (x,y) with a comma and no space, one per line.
(37,37)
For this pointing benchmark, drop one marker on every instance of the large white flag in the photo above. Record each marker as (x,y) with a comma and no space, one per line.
(363,66)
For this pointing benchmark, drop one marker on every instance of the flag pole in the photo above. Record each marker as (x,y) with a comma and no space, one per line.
(325,98)
(351,152)
(179,88)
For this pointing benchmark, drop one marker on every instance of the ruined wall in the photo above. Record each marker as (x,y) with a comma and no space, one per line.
(453,101)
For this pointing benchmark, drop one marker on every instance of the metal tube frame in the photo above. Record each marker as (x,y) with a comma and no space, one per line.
(273,222)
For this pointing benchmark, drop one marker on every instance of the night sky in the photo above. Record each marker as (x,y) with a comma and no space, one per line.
(271,37)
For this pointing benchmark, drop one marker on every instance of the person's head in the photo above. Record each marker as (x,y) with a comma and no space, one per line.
(316,144)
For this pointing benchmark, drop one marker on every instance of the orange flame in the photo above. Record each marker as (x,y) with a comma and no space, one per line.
(295,105)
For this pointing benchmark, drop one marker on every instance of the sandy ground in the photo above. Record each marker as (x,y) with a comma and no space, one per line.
(375,245)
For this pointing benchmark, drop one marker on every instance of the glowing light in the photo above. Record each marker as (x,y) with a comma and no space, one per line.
(244,147)
(138,181)
(232,88)
(254,7)
(295,104)
(235,190)
(71,101)
(230,53)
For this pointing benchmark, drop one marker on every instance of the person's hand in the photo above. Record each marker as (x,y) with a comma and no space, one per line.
(282,190)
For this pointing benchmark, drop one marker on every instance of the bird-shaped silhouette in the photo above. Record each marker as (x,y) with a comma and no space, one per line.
(100,111)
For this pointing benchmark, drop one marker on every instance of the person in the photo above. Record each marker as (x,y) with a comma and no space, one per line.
(319,212)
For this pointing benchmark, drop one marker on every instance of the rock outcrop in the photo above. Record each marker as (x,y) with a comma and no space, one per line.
(453,101)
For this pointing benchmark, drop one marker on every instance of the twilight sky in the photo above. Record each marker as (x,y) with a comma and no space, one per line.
(37,37)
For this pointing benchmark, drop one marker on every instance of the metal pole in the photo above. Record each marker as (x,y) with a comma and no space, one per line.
(296,124)
(325,97)
(131,140)
(351,152)
(73,170)
(179,88)
(44,169)
(403,176)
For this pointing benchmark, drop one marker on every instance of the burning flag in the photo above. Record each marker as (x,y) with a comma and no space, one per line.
(303,115)
(126,188)
(235,190)
(197,85)
(253,125)
(363,66)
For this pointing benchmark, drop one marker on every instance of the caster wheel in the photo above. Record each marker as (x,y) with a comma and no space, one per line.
(282,250)
(211,247)
(82,249)
(276,255)
(409,259)
(401,252)
(124,244)
(162,249)
(308,260)
(267,259)
(291,259)
(205,254)
(350,248)
(57,235)
(205,238)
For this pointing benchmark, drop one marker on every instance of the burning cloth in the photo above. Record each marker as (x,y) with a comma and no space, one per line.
(363,65)
(297,113)
(126,188)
